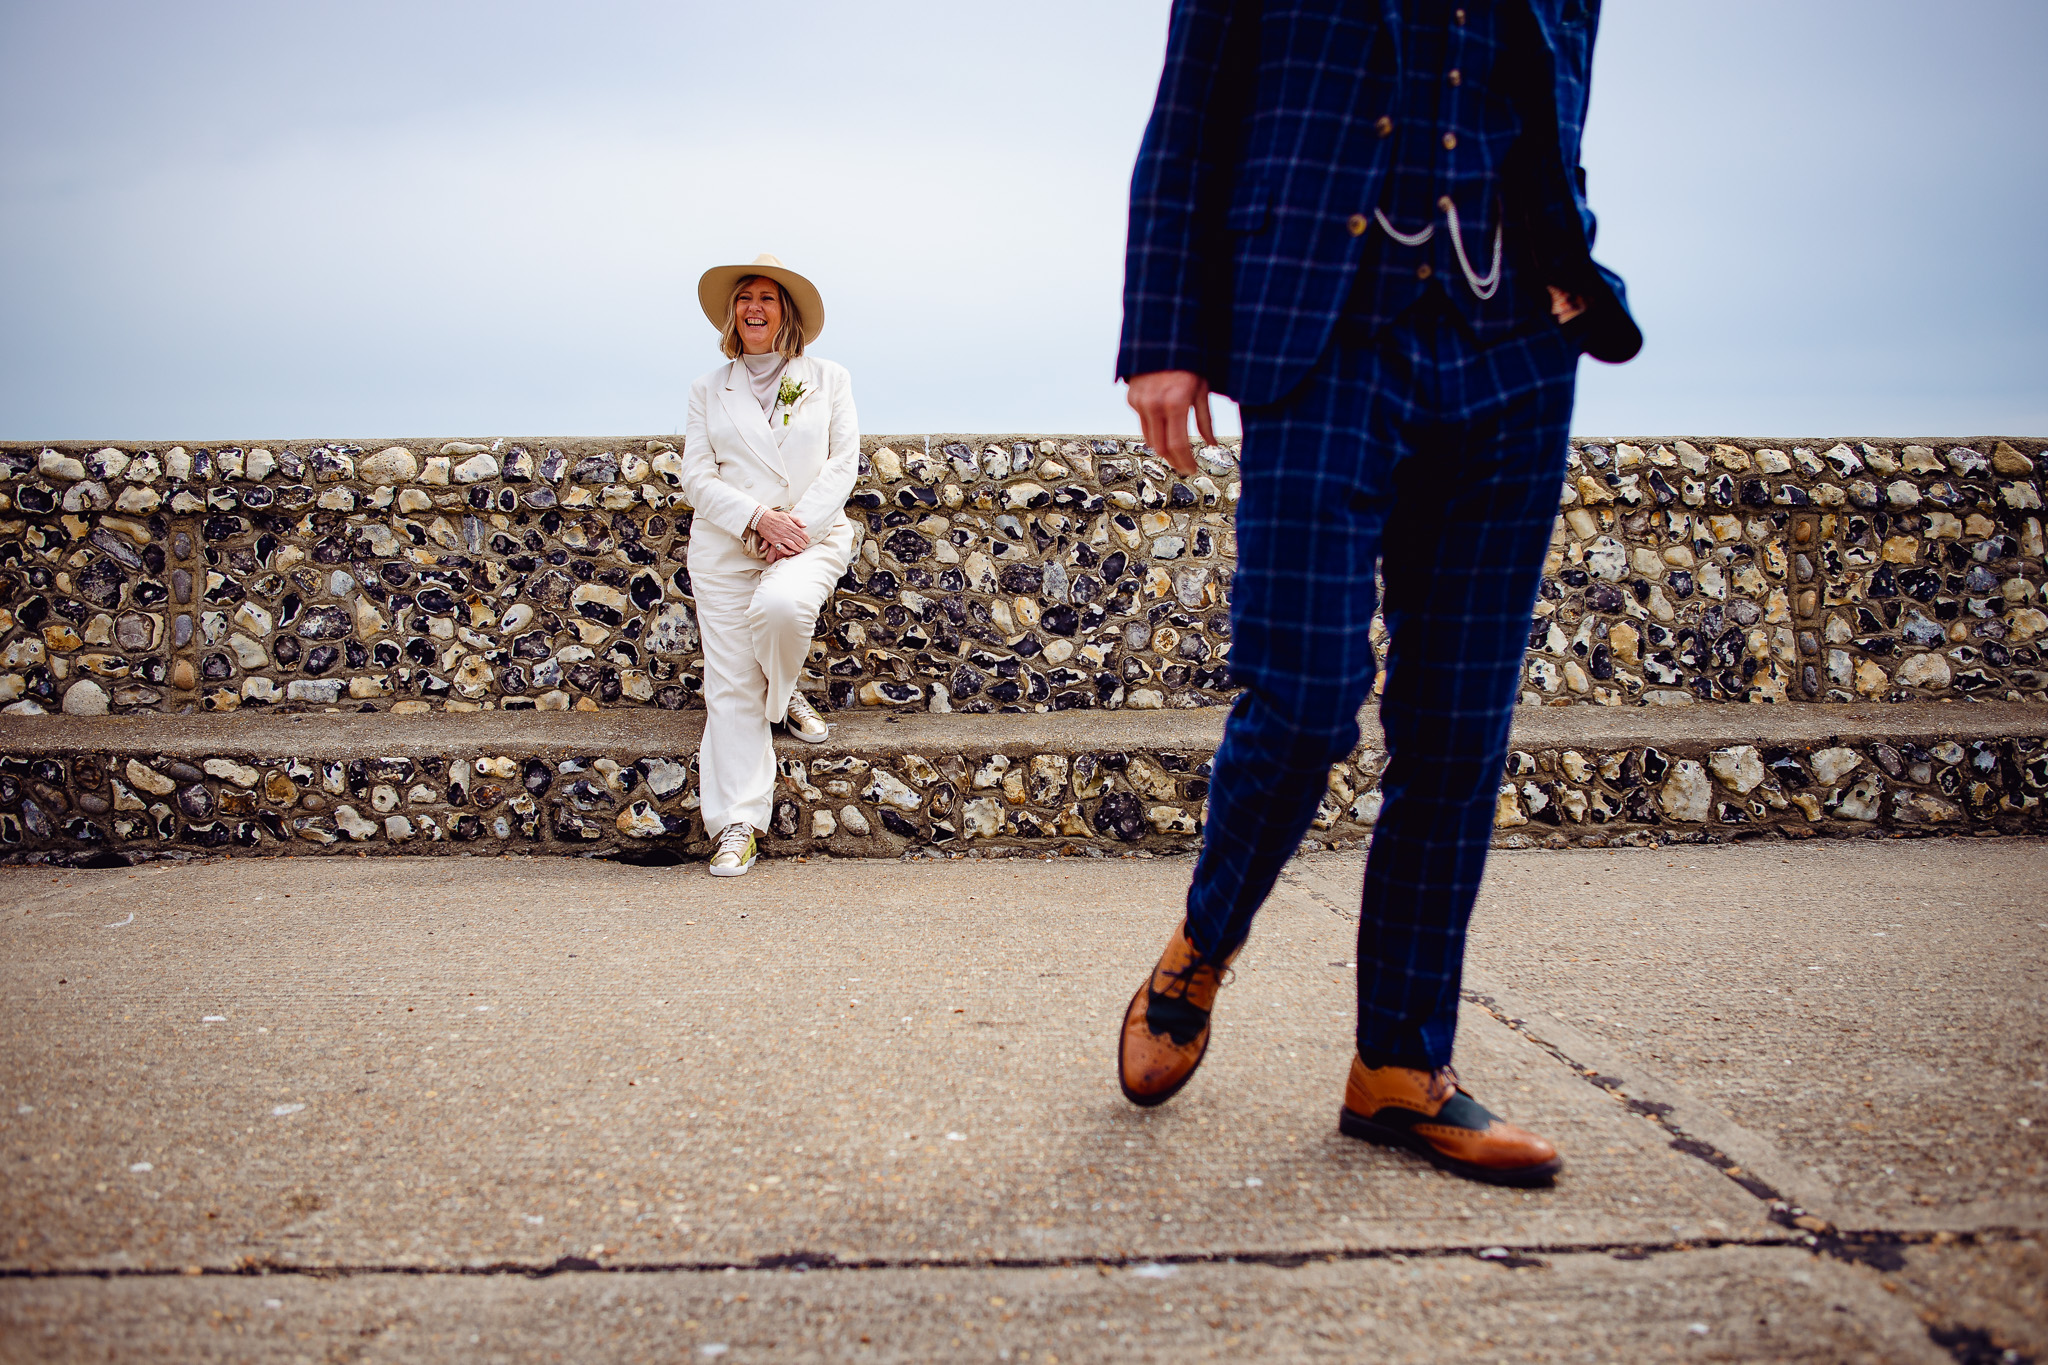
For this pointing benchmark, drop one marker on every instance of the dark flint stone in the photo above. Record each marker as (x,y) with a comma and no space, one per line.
(386,654)
(583,677)
(321,658)
(325,623)
(216,668)
(1119,814)
(540,498)
(208,835)
(436,602)
(330,550)
(1025,580)
(512,681)
(589,796)
(908,546)
(785,819)
(535,777)
(421,651)
(552,589)
(288,610)
(149,593)
(602,468)
(33,819)
(36,498)
(356,652)
(673,698)
(100,583)
(1919,584)
(247,834)
(273,821)
(116,546)
(222,528)
(395,573)
(897,825)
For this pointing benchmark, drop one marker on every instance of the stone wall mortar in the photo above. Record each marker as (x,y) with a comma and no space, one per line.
(994,573)
(947,800)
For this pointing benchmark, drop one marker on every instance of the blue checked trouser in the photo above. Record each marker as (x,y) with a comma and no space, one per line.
(1439,463)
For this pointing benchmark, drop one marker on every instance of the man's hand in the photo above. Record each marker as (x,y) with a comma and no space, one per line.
(1162,399)
(783,533)
(1564,307)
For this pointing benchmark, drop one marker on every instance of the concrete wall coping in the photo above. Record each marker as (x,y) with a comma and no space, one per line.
(457,734)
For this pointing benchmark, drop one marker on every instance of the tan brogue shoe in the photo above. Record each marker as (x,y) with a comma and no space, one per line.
(1428,1112)
(1166,1028)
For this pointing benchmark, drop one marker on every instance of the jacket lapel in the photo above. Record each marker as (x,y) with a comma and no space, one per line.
(747,417)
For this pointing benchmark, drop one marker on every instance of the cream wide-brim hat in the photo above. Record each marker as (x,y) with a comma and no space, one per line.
(714,292)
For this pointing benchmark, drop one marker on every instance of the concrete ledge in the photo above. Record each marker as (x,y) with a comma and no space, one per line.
(891,783)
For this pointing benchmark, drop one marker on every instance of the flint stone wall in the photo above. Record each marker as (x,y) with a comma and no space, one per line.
(994,574)
(887,795)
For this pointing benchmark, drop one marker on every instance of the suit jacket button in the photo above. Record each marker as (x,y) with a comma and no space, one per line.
(1385,126)
(1423,272)
(1357,224)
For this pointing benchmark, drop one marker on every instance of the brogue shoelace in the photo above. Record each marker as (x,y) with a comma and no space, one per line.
(1183,978)
(733,839)
(801,713)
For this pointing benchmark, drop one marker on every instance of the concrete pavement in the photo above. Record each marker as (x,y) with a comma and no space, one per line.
(404,1088)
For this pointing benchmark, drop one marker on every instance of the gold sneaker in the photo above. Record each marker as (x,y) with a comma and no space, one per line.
(736,852)
(805,722)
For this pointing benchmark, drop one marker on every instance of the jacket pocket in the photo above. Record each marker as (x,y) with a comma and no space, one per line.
(1250,208)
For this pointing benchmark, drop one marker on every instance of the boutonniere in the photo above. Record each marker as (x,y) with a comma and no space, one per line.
(788,396)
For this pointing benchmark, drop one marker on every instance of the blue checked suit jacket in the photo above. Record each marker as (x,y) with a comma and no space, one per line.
(1261,148)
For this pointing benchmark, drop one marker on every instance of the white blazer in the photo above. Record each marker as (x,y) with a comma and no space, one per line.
(732,463)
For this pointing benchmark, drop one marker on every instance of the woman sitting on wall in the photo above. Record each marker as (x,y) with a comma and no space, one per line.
(769,460)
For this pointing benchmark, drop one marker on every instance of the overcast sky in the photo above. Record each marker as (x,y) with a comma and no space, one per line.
(262,219)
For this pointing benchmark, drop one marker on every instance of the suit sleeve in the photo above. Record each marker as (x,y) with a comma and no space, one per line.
(713,499)
(825,499)
(1176,258)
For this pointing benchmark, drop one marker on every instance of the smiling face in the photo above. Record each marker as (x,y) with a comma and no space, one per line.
(757,314)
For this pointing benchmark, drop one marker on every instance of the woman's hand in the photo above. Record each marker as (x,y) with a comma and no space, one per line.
(783,532)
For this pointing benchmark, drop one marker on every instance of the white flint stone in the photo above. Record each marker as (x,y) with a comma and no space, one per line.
(351,822)
(854,821)
(476,469)
(85,698)
(393,464)
(1740,767)
(639,821)
(52,465)
(106,463)
(1830,765)
(885,789)
(241,774)
(1925,670)
(1686,795)
(982,818)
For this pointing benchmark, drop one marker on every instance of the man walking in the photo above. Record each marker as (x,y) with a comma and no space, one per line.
(1365,221)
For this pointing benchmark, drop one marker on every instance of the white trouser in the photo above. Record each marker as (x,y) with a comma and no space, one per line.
(756,621)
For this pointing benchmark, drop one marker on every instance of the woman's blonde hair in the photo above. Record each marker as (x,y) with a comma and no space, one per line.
(789,338)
